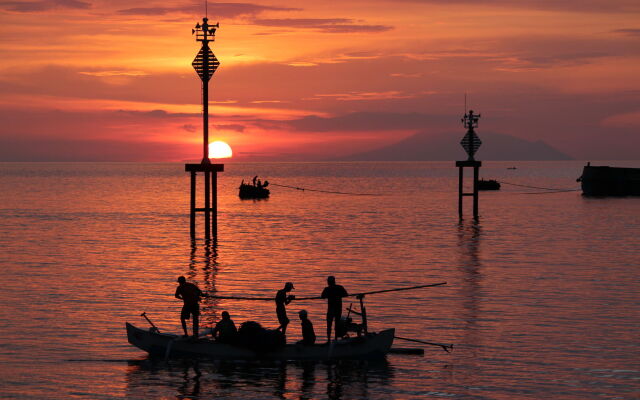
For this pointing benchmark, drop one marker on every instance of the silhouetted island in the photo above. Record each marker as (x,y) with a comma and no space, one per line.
(424,146)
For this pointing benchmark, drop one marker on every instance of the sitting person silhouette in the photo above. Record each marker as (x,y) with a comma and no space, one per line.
(225,330)
(308,335)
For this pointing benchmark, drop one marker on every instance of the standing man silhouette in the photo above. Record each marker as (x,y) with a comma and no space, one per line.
(334,294)
(190,294)
(281,301)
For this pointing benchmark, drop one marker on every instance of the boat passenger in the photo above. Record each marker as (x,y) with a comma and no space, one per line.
(225,330)
(334,294)
(308,335)
(281,301)
(190,294)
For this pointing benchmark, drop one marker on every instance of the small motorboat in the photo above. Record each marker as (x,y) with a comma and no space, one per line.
(368,346)
(490,184)
(254,190)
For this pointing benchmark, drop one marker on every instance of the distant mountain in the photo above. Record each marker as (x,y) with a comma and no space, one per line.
(424,146)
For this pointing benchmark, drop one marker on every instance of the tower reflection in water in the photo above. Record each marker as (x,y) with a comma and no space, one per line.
(203,270)
(469,240)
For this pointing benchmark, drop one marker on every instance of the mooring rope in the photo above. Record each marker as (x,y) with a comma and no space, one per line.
(324,191)
(549,192)
(537,187)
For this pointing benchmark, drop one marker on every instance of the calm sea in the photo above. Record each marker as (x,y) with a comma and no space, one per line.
(542,299)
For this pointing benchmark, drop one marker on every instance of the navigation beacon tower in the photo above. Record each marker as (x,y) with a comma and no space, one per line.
(471,143)
(205,65)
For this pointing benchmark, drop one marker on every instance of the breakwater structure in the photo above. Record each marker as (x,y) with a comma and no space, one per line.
(205,65)
(471,143)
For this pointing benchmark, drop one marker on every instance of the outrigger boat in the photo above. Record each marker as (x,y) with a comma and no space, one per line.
(366,345)
(371,345)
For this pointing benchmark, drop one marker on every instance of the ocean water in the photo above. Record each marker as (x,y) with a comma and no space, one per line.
(542,297)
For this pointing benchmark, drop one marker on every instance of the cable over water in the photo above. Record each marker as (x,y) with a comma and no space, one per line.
(324,191)
(319,297)
(549,190)
(537,187)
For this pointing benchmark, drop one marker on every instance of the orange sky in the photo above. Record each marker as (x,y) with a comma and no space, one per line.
(112,80)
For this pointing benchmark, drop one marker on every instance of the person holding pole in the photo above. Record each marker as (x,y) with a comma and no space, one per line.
(334,294)
(190,294)
(281,301)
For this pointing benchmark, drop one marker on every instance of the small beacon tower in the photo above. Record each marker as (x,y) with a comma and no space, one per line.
(205,65)
(470,142)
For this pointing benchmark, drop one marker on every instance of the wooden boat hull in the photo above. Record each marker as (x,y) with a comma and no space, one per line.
(371,346)
(610,181)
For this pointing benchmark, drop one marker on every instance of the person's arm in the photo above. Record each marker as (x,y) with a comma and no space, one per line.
(344,292)
(178,295)
(324,293)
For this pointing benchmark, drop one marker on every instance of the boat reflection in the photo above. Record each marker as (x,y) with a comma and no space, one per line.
(227,379)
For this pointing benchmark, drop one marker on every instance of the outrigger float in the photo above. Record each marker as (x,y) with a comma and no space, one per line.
(366,345)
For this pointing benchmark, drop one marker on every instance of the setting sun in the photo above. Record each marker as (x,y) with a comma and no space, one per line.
(219,149)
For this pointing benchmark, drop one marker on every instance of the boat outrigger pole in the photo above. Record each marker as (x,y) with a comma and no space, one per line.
(356,295)
(445,347)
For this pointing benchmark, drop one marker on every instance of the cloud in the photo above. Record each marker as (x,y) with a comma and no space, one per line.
(219,10)
(113,73)
(43,5)
(628,31)
(328,25)
(153,114)
(13,149)
(189,127)
(231,127)
(631,119)
(578,6)
(357,96)
(367,122)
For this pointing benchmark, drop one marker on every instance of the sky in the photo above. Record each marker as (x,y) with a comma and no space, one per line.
(97,80)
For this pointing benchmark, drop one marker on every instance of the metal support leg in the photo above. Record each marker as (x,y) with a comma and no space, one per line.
(460,179)
(214,203)
(192,206)
(476,171)
(207,205)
